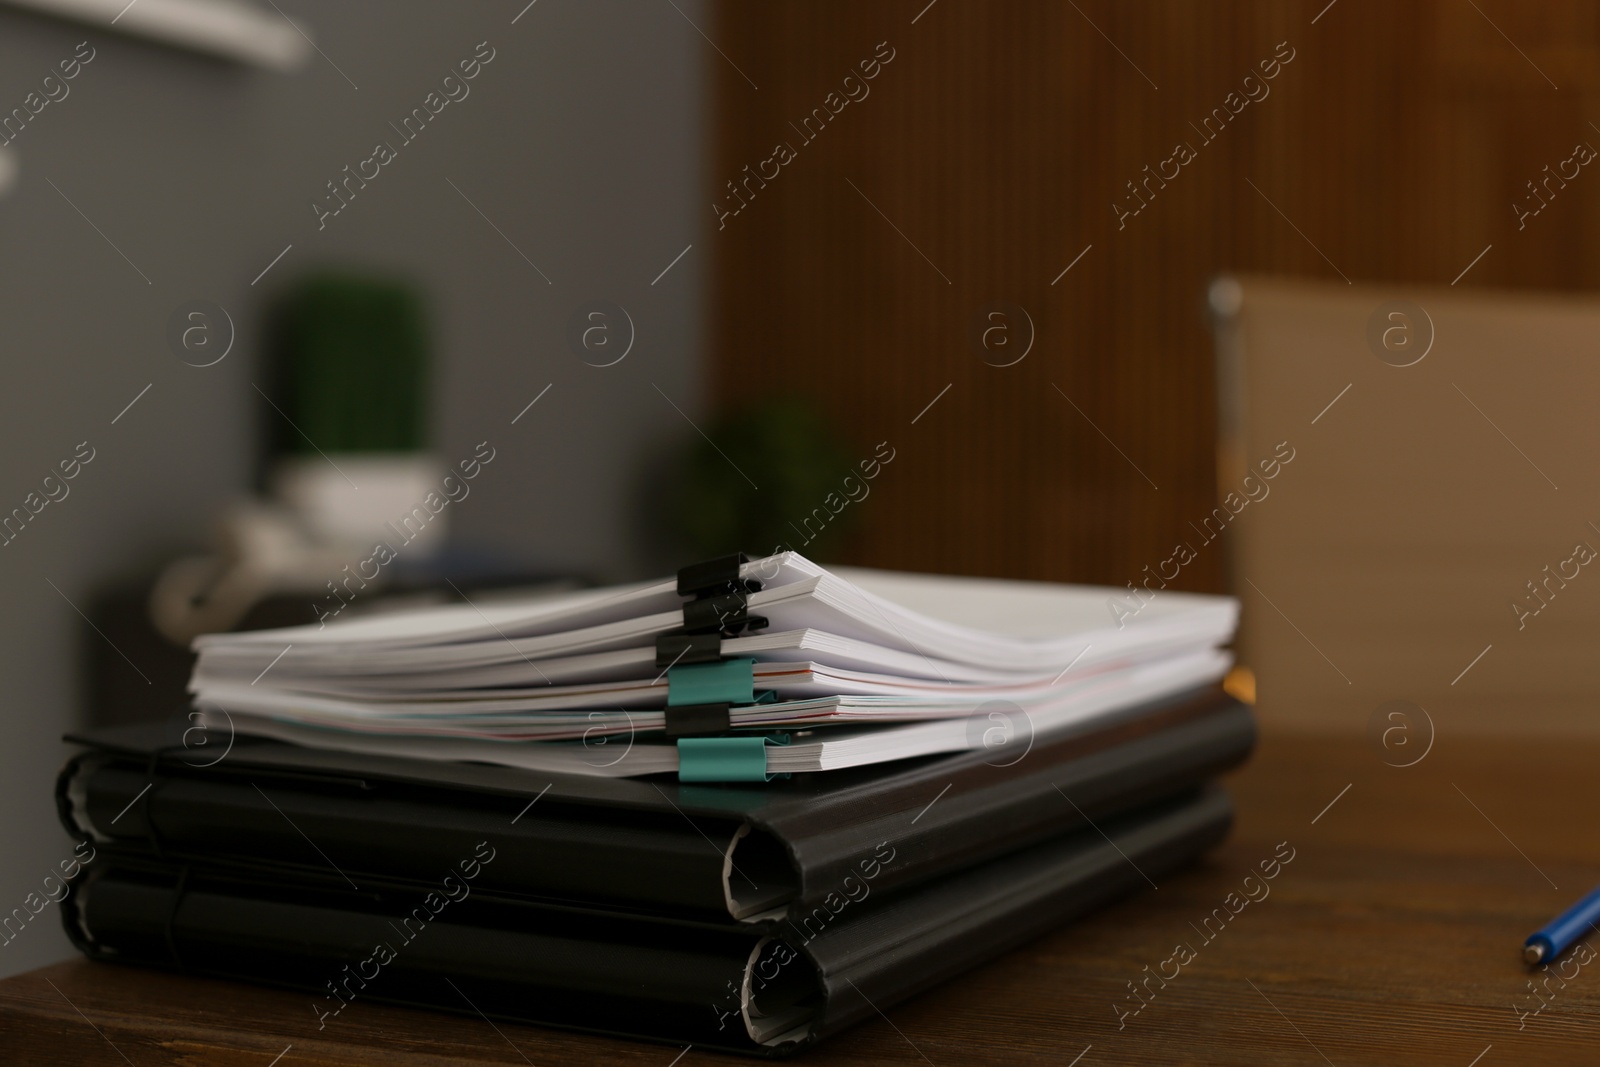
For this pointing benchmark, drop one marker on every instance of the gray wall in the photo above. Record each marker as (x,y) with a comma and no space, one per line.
(581,141)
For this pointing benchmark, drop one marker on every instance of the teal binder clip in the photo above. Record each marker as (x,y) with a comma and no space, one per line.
(729,681)
(701,697)
(726,759)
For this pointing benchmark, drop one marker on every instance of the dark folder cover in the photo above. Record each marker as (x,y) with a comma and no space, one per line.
(769,988)
(653,844)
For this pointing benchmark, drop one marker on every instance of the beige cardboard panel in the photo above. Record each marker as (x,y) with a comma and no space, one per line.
(1418,506)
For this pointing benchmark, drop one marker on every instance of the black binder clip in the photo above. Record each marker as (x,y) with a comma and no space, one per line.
(674,647)
(713,576)
(698,720)
(719,607)
(727,614)
(708,720)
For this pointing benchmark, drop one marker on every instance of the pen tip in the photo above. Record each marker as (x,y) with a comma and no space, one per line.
(1532,954)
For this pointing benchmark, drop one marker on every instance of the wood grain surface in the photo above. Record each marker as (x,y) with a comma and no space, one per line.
(989,155)
(1391,937)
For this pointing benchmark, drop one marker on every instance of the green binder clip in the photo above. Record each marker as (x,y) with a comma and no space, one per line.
(729,681)
(726,759)
(701,697)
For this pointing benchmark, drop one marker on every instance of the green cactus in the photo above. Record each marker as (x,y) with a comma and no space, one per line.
(352,363)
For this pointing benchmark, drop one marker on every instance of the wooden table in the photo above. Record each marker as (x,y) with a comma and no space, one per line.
(1391,938)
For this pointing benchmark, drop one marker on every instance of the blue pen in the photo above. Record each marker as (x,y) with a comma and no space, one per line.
(1559,934)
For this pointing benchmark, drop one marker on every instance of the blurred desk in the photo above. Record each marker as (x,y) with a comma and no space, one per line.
(1391,938)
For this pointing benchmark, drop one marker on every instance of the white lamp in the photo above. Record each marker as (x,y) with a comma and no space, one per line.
(231,29)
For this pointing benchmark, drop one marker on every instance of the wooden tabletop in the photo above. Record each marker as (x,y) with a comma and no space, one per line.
(1391,937)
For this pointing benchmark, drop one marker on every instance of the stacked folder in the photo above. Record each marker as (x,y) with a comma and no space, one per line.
(742,809)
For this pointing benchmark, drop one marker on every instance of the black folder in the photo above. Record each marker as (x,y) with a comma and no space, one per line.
(769,988)
(659,845)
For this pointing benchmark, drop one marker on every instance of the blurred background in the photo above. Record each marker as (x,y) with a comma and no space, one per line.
(661,275)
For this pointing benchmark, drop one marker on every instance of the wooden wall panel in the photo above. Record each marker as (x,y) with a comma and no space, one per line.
(996,141)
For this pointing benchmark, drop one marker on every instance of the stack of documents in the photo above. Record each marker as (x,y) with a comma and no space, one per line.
(742,809)
(848,667)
